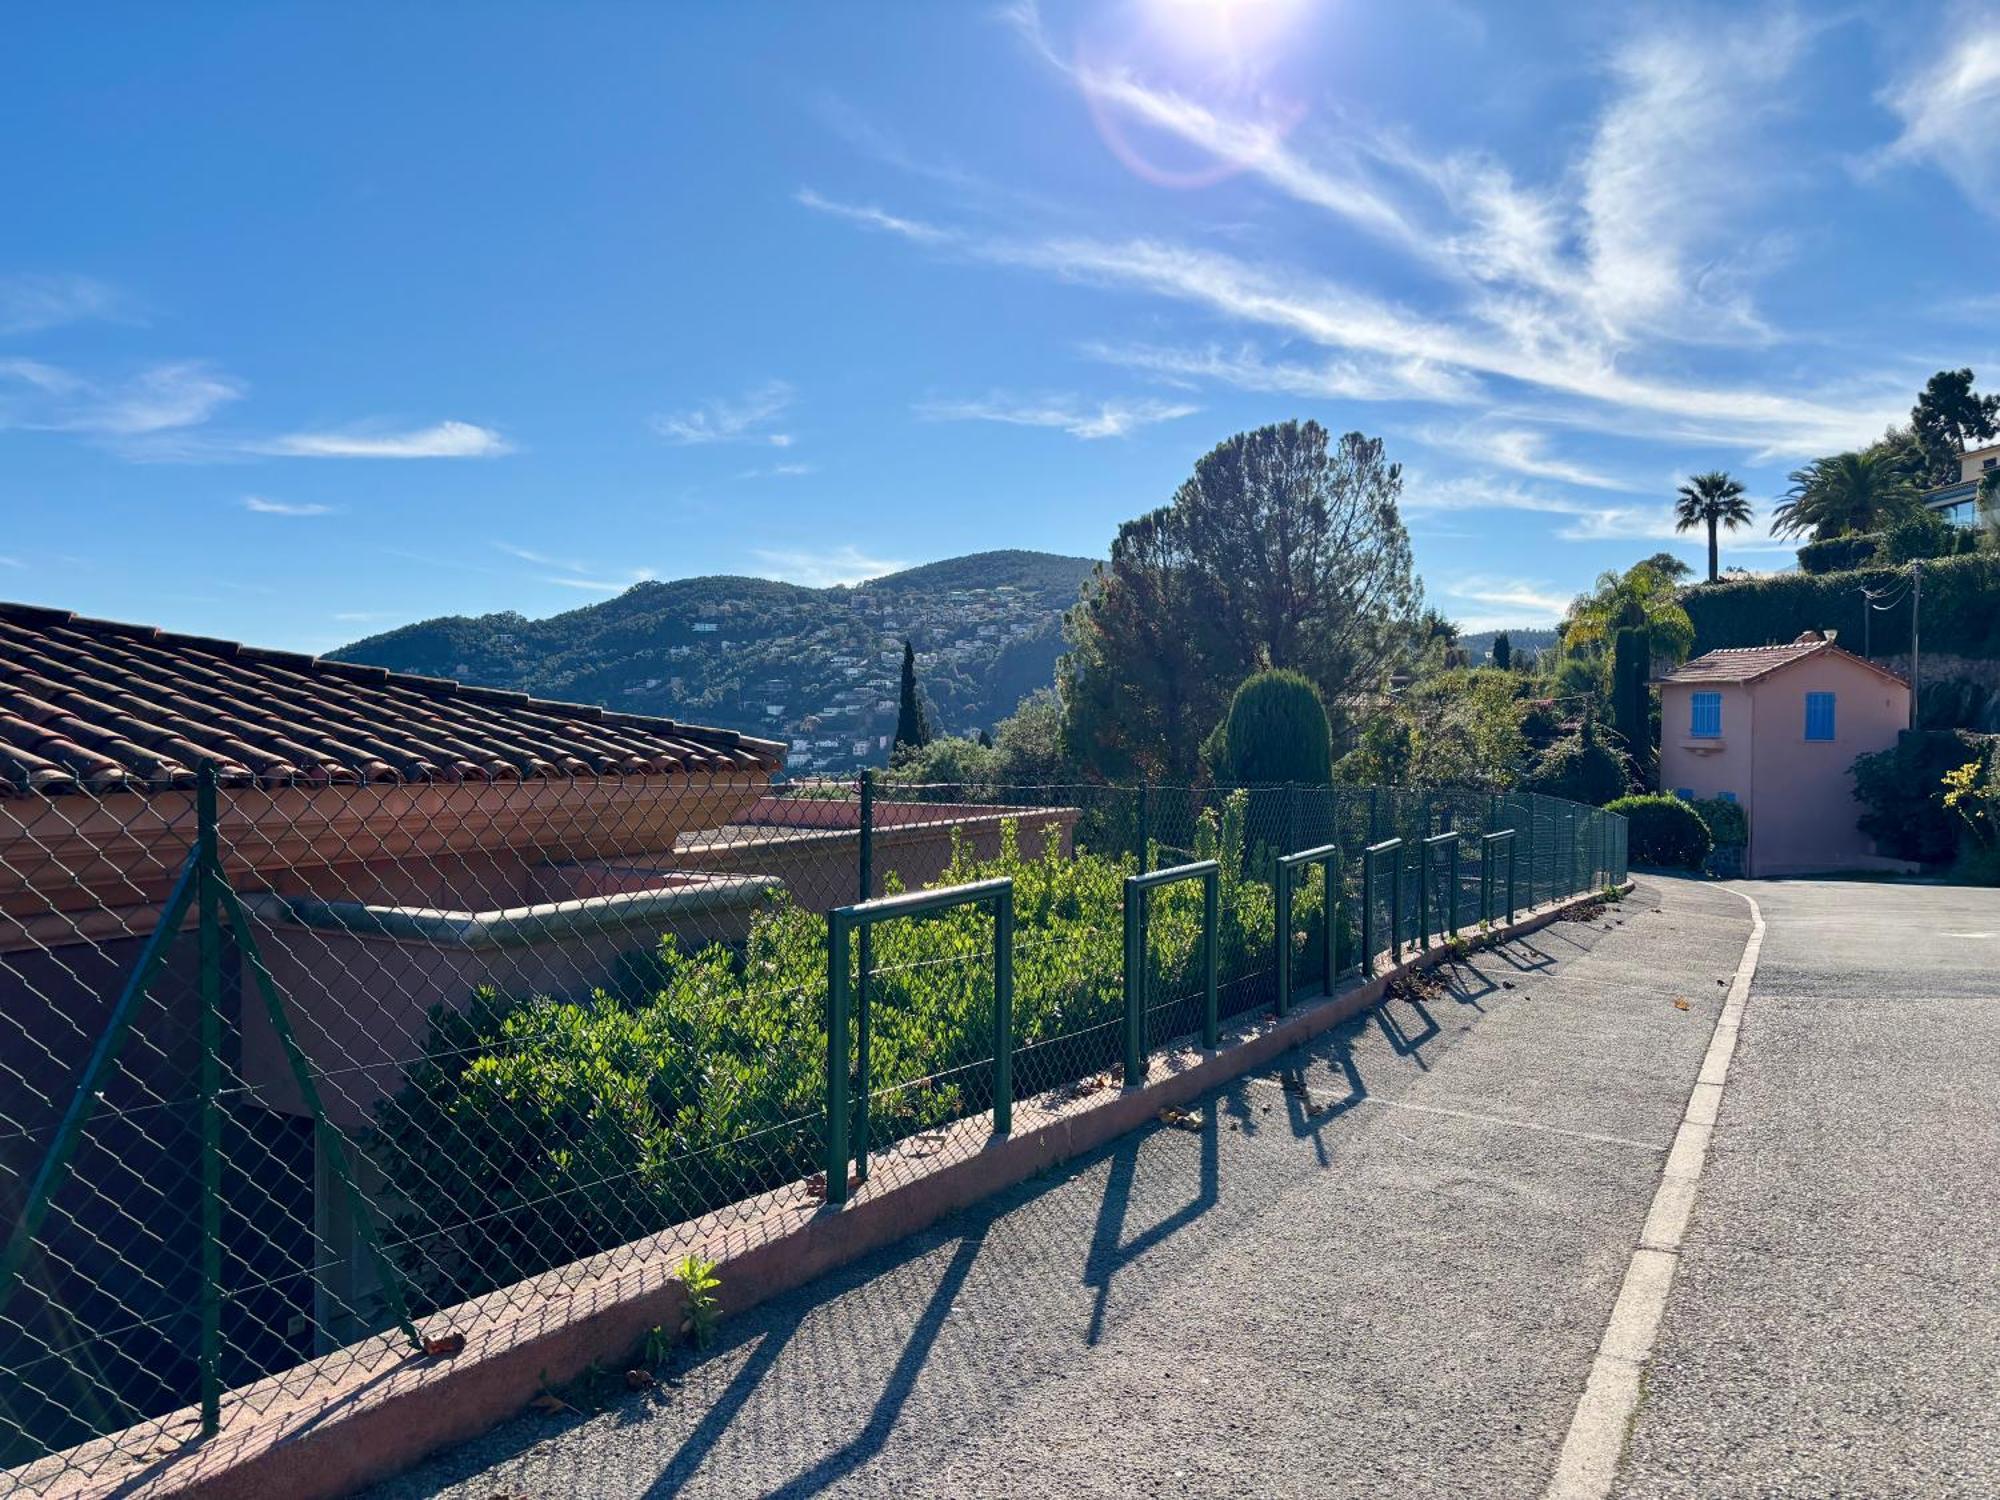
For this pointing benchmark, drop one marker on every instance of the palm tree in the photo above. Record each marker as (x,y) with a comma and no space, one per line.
(1857,492)
(1712,499)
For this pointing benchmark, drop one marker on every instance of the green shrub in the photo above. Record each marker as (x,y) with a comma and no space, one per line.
(1902,790)
(1580,767)
(1727,824)
(1841,553)
(1664,832)
(1276,731)
(1920,534)
(1961,605)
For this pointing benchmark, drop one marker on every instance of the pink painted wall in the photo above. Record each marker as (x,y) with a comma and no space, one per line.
(1796,792)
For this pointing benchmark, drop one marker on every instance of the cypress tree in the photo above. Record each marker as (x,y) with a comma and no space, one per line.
(913,730)
(1631,704)
(1503,651)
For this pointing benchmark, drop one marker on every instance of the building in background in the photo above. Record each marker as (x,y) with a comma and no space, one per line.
(1958,502)
(1777,729)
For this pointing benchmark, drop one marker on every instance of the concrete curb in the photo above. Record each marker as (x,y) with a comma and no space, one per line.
(373,1409)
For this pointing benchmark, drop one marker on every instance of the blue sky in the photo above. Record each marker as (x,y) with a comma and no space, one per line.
(317,319)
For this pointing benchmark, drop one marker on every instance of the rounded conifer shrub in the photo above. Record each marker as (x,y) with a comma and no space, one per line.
(1276,731)
(1664,832)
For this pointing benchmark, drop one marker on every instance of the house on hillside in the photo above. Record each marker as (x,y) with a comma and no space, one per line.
(1958,502)
(1776,729)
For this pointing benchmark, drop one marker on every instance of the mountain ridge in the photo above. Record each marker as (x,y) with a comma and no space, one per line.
(813,666)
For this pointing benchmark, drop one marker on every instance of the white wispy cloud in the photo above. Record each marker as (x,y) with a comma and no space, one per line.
(1080,418)
(823,569)
(1674,156)
(1302,305)
(614,585)
(777,471)
(1949,106)
(441,440)
(742,419)
(1520,450)
(1629,237)
(1499,602)
(32,301)
(259,505)
(870,217)
(575,573)
(1347,378)
(38,396)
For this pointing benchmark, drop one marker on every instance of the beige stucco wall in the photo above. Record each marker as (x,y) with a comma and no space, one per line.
(1797,792)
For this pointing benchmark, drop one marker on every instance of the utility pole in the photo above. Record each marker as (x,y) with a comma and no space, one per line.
(1916,644)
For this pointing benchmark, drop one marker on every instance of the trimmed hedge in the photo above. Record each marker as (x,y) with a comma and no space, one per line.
(1726,822)
(1961,607)
(1664,832)
(1840,554)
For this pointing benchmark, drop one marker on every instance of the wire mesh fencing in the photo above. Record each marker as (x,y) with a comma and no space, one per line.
(296,1077)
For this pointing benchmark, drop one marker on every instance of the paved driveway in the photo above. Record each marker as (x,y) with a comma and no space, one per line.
(1392,1283)
(1834,1328)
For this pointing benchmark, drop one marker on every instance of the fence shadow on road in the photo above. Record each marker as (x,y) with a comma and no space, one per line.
(763,1354)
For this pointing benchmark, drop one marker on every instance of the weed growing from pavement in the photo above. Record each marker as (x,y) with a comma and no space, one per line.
(698,1279)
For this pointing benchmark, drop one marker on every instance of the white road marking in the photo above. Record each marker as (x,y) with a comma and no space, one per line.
(1588,1465)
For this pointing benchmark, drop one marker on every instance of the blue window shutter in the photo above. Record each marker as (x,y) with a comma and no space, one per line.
(1819,716)
(1705,721)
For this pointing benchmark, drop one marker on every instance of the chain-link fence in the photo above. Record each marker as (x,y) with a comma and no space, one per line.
(286,1068)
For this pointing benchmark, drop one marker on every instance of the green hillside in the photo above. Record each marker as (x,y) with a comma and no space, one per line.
(815,667)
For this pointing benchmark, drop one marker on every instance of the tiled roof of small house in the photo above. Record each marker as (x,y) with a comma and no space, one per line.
(1748,663)
(90,705)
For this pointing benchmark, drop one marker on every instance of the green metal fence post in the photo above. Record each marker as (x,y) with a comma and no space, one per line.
(864,944)
(1003,1012)
(1396,907)
(1451,861)
(1135,985)
(1512,844)
(1211,992)
(1368,910)
(1282,895)
(837,1005)
(1424,883)
(1330,904)
(209,927)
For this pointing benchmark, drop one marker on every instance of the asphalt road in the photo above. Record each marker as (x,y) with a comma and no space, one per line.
(1394,1283)
(1834,1329)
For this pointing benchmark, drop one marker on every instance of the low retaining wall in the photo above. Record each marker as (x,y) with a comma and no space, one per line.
(375,1408)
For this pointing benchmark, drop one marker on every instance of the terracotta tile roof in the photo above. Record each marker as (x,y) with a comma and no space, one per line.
(90,705)
(1748,663)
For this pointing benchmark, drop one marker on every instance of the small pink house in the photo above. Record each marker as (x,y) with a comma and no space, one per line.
(1776,728)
